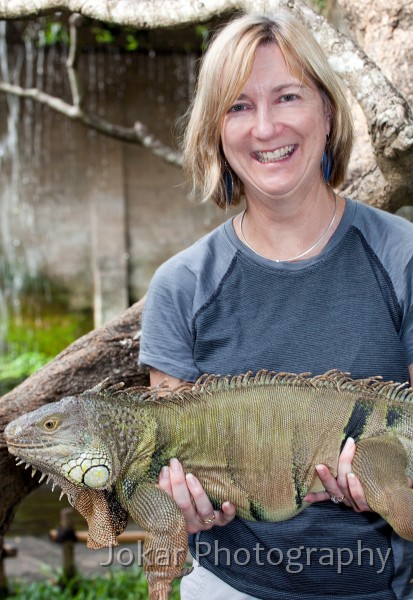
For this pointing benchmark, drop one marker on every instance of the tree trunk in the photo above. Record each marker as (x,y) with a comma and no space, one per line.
(384,31)
(109,351)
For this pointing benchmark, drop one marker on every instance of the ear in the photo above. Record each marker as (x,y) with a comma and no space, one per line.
(328,114)
(105,517)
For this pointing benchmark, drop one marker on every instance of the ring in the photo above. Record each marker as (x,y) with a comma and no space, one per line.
(211,520)
(337,500)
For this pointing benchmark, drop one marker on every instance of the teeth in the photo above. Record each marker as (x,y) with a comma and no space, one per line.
(42,477)
(20,462)
(280,153)
(34,471)
(27,466)
(61,496)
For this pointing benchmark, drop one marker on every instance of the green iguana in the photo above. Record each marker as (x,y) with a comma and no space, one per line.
(241,436)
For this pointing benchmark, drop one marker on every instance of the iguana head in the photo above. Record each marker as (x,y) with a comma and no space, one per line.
(57,440)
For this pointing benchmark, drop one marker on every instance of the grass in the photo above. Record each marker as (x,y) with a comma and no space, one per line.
(121,584)
(36,336)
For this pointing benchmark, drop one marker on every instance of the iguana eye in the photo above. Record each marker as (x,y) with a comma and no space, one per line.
(51,424)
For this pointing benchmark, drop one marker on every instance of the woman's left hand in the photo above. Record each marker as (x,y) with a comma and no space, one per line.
(347,487)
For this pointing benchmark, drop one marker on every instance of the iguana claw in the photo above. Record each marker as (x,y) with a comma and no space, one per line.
(184,572)
(160,588)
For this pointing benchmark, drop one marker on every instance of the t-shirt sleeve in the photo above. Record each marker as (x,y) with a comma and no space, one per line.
(391,238)
(166,340)
(407,328)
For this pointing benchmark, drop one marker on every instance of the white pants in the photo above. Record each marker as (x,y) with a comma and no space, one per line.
(201,584)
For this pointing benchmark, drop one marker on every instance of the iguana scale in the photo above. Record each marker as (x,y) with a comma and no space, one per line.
(241,436)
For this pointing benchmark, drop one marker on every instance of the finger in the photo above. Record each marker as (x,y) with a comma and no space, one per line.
(344,465)
(207,516)
(316,497)
(203,507)
(180,493)
(357,493)
(164,480)
(348,482)
(331,485)
(225,516)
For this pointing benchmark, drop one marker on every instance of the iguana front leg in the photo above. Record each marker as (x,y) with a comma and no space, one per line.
(380,464)
(166,546)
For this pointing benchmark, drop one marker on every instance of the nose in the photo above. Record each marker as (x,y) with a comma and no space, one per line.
(265,124)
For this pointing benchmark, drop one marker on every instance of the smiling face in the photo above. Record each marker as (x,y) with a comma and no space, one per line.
(274,135)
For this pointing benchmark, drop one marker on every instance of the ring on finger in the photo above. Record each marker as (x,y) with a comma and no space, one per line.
(210,520)
(336,499)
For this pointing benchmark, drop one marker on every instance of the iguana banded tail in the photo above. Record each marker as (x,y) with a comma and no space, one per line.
(241,436)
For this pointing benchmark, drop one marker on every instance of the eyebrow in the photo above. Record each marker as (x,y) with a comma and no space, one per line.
(277,89)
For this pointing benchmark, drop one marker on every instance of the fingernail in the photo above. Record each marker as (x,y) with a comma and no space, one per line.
(164,471)
(174,464)
(192,481)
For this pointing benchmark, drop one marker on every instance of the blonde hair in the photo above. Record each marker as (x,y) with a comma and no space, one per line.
(224,71)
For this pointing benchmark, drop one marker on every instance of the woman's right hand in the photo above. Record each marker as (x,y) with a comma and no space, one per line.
(191,498)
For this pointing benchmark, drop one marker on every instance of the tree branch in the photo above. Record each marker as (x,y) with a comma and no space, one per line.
(389,116)
(72,59)
(138,134)
(141,14)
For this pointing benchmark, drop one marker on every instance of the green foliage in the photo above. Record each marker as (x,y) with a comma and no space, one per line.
(103,35)
(132,42)
(53,31)
(42,328)
(21,366)
(52,34)
(319,5)
(202,32)
(47,332)
(125,584)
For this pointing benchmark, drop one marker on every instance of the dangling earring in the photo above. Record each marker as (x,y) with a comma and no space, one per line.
(229,184)
(327,162)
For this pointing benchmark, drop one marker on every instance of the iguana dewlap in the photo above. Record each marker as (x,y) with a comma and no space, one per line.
(253,440)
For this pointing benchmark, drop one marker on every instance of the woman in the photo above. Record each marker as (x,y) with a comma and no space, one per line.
(301,280)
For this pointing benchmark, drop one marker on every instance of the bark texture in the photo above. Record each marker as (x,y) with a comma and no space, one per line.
(384,30)
(109,351)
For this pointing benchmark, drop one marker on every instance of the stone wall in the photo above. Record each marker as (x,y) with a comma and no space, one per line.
(87,211)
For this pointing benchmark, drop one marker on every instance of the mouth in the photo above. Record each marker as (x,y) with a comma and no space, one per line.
(275,155)
(48,476)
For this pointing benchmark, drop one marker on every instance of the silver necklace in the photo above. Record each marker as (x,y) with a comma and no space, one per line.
(326,230)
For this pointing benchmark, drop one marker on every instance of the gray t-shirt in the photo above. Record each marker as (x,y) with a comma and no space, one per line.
(217,307)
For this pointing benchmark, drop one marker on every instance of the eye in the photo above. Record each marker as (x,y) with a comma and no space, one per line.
(51,424)
(288,97)
(238,107)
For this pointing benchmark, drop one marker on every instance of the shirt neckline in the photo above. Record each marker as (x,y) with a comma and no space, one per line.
(345,222)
